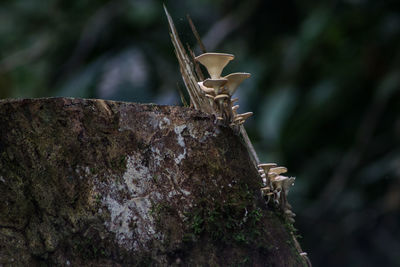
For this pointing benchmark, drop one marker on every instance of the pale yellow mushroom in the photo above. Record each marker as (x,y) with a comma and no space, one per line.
(279,170)
(272,175)
(234,80)
(205,89)
(214,63)
(221,96)
(210,96)
(215,84)
(266,190)
(266,166)
(243,116)
(278,182)
(233,100)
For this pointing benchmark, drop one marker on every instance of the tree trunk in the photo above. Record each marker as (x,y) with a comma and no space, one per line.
(103,183)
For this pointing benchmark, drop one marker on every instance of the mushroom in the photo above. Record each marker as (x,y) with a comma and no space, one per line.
(234,80)
(233,100)
(205,89)
(279,170)
(210,96)
(277,196)
(221,96)
(272,175)
(279,182)
(266,193)
(215,83)
(214,62)
(234,108)
(266,190)
(266,166)
(243,116)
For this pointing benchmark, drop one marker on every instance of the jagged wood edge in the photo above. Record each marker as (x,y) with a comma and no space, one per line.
(189,76)
(190,79)
(199,102)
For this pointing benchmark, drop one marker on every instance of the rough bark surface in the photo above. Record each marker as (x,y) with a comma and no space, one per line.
(103,183)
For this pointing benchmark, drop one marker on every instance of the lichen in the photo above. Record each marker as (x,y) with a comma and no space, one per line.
(178,130)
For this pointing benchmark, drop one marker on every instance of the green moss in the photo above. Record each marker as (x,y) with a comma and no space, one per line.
(235,220)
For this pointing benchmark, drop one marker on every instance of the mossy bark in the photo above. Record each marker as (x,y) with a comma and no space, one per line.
(94,182)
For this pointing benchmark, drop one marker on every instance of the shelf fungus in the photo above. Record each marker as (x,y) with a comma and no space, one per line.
(215,63)
(221,89)
(276,187)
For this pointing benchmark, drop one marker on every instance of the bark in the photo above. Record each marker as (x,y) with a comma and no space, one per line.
(103,183)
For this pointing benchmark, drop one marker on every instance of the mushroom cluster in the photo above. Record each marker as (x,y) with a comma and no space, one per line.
(276,186)
(220,90)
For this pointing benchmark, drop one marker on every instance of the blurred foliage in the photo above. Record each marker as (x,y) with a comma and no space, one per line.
(324,89)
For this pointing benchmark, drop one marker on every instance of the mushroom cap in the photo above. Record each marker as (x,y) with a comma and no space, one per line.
(237,118)
(234,80)
(212,83)
(205,89)
(279,170)
(235,107)
(272,175)
(210,96)
(266,166)
(214,62)
(263,165)
(233,100)
(221,96)
(245,115)
(280,179)
(267,188)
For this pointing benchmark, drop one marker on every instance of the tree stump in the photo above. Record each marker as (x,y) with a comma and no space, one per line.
(103,183)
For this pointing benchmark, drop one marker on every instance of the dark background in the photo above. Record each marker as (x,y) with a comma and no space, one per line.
(324,90)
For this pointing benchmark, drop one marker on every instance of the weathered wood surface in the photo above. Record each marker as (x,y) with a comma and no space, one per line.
(94,182)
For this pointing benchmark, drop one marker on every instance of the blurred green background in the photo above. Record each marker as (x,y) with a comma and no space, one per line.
(324,90)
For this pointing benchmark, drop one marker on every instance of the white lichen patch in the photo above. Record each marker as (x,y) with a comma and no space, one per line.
(136,176)
(131,221)
(157,156)
(130,214)
(164,123)
(181,141)
(121,215)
